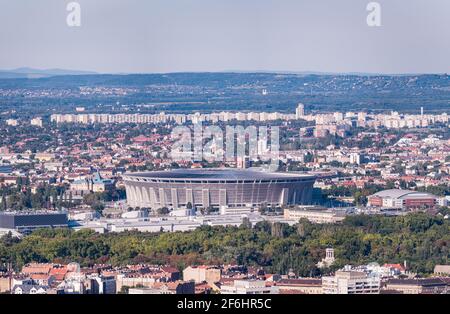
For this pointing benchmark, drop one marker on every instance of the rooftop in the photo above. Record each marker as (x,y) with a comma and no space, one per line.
(402,193)
(31,213)
(219,174)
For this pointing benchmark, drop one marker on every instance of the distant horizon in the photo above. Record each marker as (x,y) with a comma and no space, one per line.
(32,70)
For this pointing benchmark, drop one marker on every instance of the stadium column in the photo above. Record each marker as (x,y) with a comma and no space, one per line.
(223,197)
(129,195)
(162,197)
(310,192)
(134,202)
(190,197)
(153,199)
(146,196)
(174,197)
(140,196)
(284,196)
(205,198)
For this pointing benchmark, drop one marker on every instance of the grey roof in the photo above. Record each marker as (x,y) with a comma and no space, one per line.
(27,288)
(219,174)
(394,193)
(419,282)
(31,213)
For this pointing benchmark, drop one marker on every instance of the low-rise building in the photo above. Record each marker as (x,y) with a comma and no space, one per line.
(25,222)
(249,287)
(32,289)
(300,286)
(5,283)
(178,287)
(314,214)
(442,269)
(418,286)
(202,273)
(403,199)
(351,282)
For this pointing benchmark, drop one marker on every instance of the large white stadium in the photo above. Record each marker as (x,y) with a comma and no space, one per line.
(216,188)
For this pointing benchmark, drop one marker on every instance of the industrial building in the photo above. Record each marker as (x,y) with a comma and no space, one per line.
(25,222)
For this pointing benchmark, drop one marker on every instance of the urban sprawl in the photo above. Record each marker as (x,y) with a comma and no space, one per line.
(93,203)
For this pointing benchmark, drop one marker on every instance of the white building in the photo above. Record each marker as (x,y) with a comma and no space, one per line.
(328,260)
(249,287)
(355,158)
(314,214)
(12,122)
(103,284)
(351,282)
(300,111)
(36,122)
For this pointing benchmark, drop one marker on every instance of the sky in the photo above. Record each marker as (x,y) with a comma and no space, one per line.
(160,36)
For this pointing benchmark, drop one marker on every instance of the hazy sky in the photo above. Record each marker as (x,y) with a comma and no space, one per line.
(217,35)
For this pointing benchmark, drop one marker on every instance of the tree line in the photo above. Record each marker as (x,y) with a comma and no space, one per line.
(420,239)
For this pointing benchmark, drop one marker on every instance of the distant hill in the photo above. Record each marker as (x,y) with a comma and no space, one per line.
(206,92)
(39,73)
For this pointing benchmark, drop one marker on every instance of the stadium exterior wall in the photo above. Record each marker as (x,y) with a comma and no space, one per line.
(248,188)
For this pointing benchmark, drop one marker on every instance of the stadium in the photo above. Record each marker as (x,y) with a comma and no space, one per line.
(217,188)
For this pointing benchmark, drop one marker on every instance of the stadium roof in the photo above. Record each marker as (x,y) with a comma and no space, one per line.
(219,174)
(394,193)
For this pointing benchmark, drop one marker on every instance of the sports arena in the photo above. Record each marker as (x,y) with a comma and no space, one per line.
(216,188)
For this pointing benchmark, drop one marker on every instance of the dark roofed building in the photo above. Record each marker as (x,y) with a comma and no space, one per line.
(418,286)
(32,289)
(28,221)
(300,286)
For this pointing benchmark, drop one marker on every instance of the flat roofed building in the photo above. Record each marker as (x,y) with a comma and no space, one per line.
(202,273)
(404,199)
(314,214)
(25,222)
(351,282)
(300,286)
(418,286)
(249,287)
(177,287)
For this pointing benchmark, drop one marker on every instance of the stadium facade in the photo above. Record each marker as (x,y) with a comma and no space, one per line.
(217,188)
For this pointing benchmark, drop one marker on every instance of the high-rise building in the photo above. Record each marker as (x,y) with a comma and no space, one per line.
(36,122)
(355,158)
(12,122)
(300,111)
